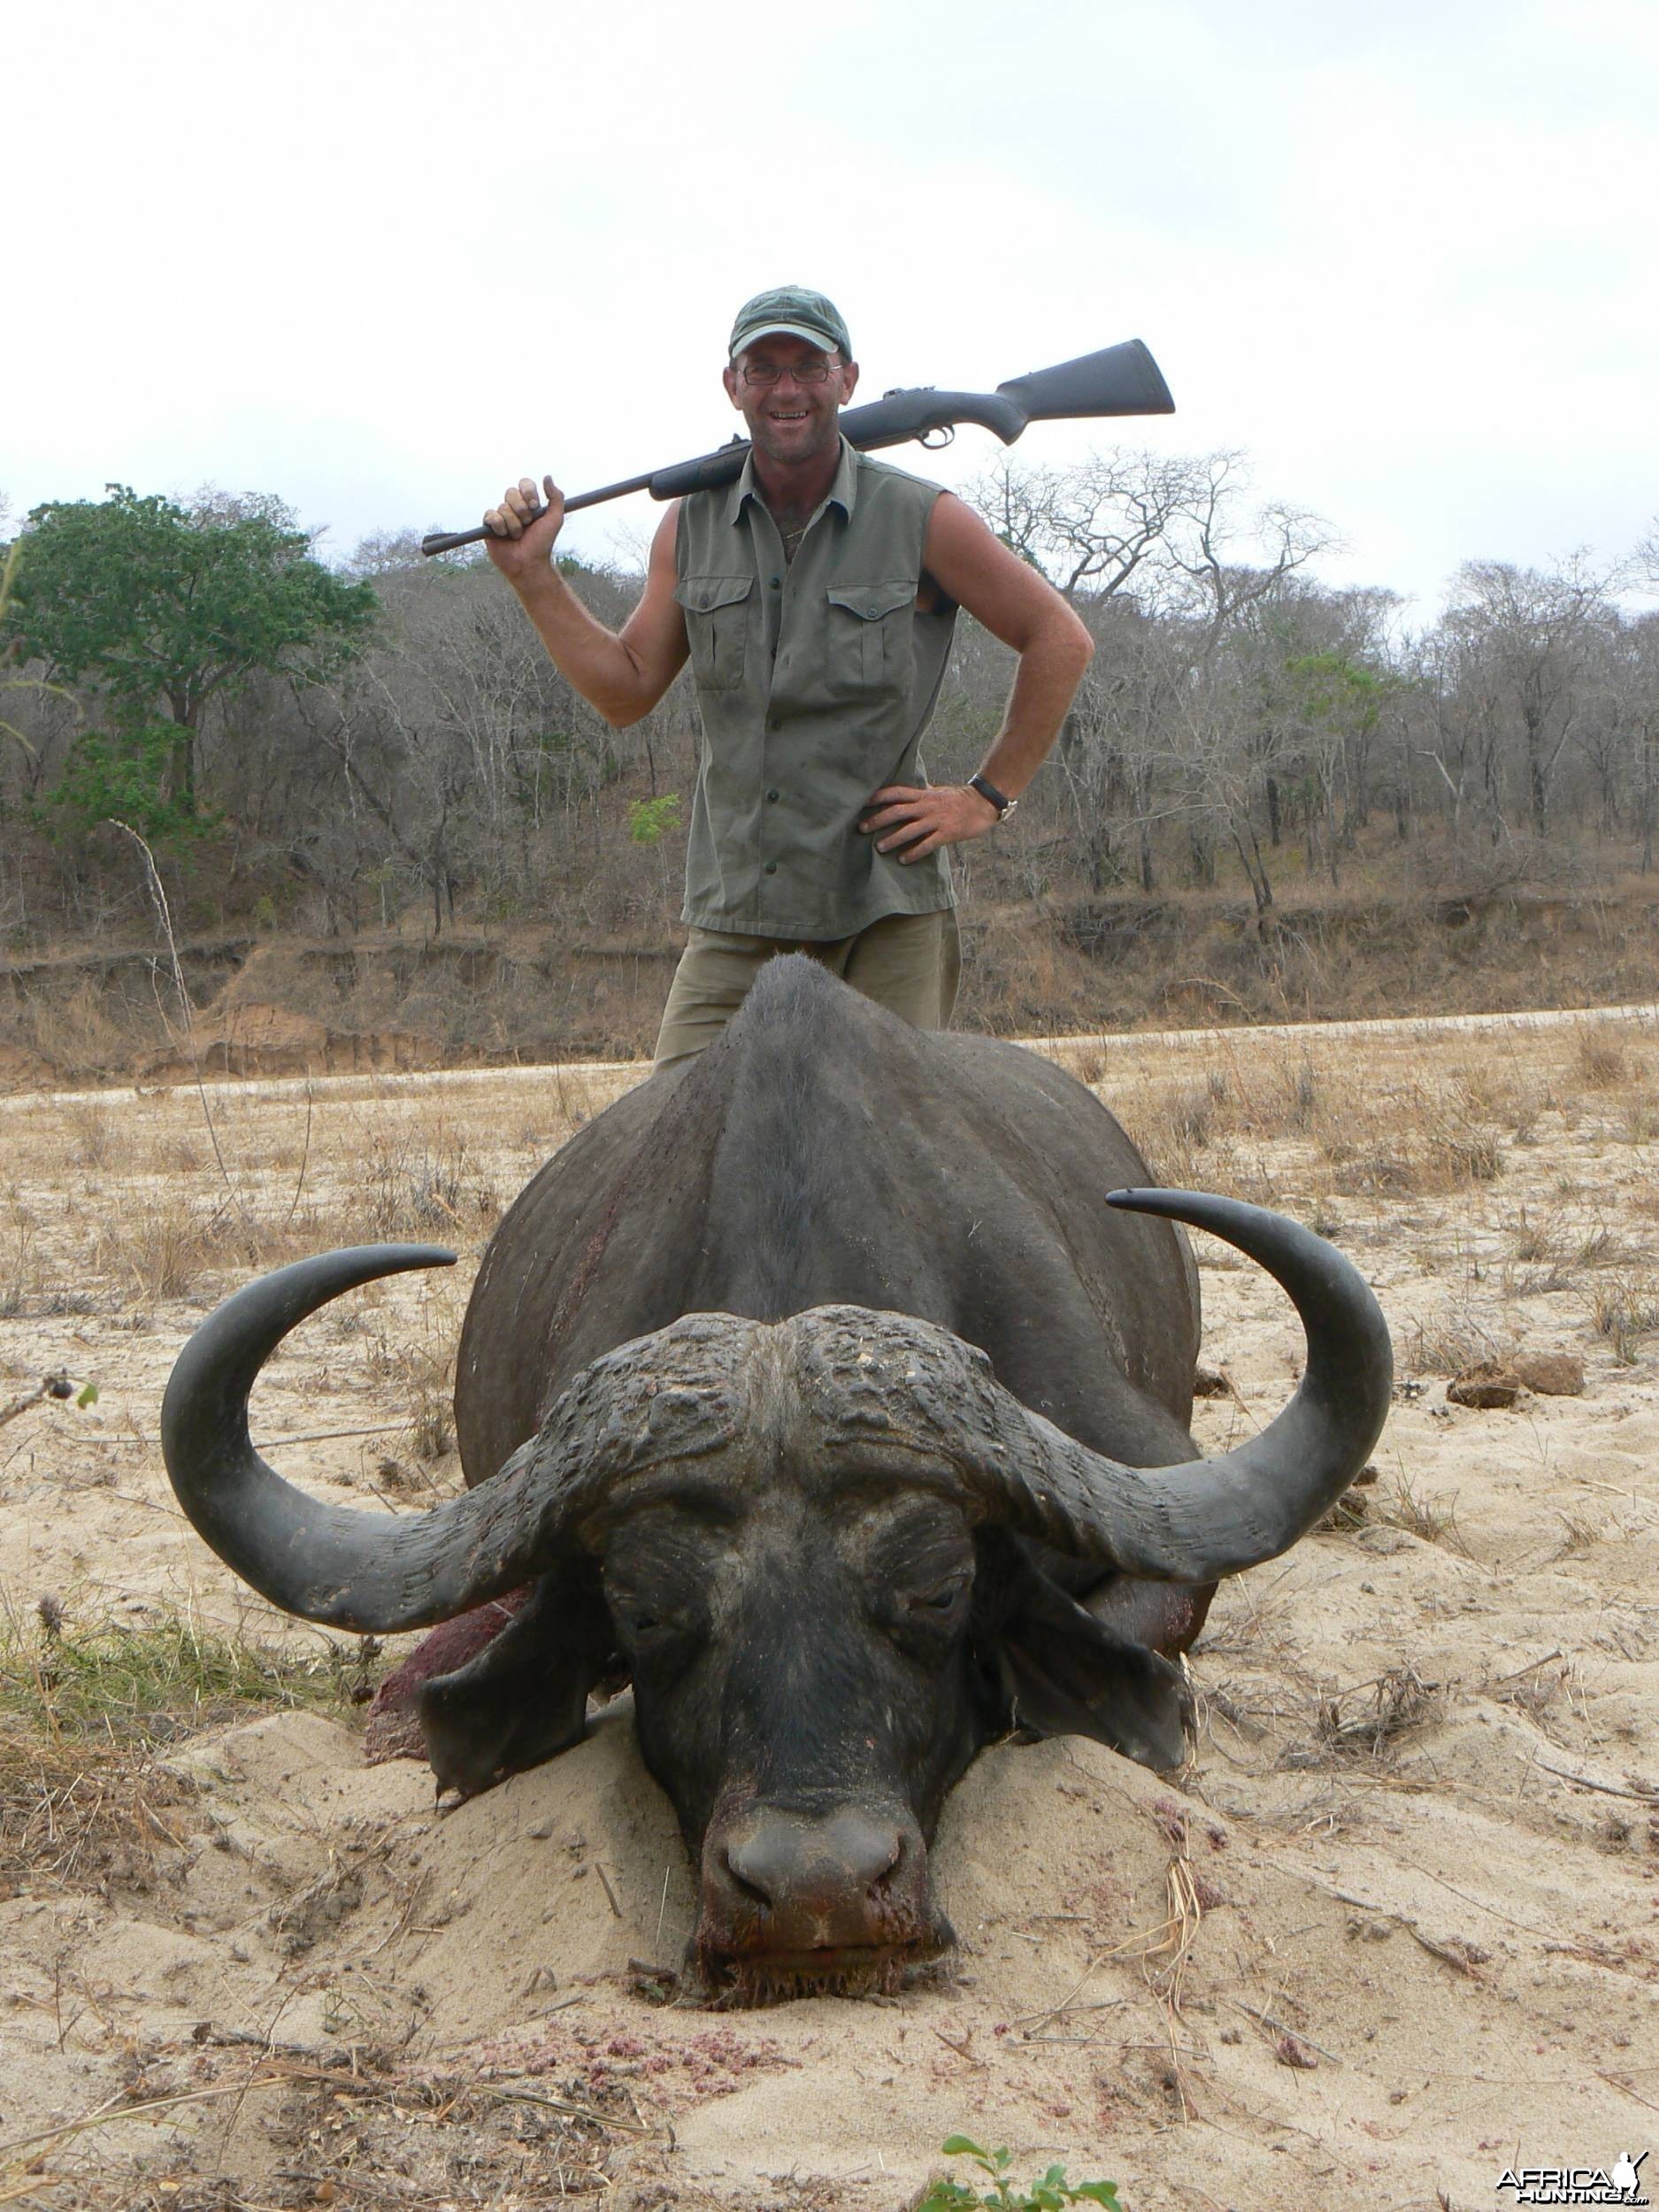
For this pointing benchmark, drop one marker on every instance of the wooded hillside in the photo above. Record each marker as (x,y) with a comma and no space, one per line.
(1273,796)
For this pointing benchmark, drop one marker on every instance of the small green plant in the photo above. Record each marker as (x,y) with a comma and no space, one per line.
(148,1685)
(1048,2195)
(650,820)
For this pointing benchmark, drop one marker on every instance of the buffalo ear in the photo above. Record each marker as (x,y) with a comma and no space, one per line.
(1063,1674)
(523,1698)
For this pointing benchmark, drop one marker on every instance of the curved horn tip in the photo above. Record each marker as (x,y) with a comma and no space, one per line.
(1200,1208)
(246,1328)
(1173,1205)
(355,1264)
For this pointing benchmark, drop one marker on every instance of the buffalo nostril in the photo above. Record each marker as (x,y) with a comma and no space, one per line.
(884,1876)
(785,1860)
(786,1885)
(746,1877)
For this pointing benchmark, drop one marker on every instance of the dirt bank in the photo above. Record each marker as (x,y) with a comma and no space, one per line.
(386,1003)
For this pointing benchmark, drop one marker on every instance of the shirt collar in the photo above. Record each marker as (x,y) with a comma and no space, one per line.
(842,493)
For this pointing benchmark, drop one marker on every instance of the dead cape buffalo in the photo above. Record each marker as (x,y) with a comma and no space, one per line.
(820,1389)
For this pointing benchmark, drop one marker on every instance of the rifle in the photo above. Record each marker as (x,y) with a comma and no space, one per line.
(1118,381)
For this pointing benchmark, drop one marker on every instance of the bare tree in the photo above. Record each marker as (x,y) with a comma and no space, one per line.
(1525,639)
(1090,527)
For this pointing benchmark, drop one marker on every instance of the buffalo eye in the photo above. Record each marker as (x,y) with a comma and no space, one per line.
(648,1623)
(651,1621)
(936,1604)
(918,1574)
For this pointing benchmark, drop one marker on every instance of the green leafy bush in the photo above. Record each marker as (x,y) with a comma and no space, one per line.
(1050,2193)
(650,820)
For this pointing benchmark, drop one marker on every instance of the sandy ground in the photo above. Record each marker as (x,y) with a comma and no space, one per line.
(1395,1931)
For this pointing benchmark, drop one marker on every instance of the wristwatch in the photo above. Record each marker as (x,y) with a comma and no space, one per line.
(1000,800)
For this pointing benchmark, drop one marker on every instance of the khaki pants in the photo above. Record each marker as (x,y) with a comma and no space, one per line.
(908,963)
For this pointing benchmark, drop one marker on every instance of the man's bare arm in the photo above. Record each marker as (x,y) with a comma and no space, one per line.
(1017,605)
(622,672)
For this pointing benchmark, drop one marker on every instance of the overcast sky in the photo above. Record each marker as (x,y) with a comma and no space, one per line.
(377,257)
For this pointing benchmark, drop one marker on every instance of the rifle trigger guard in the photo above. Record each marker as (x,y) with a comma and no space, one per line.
(935,441)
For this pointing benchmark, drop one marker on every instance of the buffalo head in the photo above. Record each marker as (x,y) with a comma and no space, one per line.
(817,1548)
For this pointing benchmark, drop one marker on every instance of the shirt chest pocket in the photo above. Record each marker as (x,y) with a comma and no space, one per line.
(717,628)
(869,642)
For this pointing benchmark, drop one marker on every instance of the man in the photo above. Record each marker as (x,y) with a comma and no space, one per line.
(815,599)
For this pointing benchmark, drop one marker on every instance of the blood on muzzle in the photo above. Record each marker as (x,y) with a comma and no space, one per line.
(788,1886)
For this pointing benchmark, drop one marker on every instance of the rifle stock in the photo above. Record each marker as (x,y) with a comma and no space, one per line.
(1122,379)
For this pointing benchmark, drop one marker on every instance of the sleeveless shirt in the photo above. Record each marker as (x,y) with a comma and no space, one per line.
(815,679)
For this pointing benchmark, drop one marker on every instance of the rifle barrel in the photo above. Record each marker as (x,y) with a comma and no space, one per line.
(446,540)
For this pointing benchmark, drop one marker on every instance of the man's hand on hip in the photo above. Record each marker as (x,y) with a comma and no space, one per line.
(522,540)
(916,821)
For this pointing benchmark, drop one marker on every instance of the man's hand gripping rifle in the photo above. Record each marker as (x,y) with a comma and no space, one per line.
(1118,381)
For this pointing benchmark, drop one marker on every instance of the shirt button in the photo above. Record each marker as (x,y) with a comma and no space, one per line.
(776,722)
(771,795)
(777,583)
(771,868)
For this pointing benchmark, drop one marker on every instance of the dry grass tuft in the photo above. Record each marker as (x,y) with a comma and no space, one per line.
(22,1257)
(1579,1534)
(1460,1147)
(77,1814)
(1447,1344)
(1599,1058)
(1602,1247)
(402,1485)
(1432,1520)
(424,1375)
(92,1137)
(416,1183)
(1405,1143)
(1535,1239)
(1184,1130)
(415,1189)
(1192,1120)
(1372,1174)
(1351,1510)
(1304,1096)
(1367,1721)
(1539,1260)
(1536,1282)
(1625,1312)
(432,1427)
(1533,1689)
(159,1247)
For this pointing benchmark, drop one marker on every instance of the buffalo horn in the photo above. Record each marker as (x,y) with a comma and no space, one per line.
(1211,1517)
(383,1571)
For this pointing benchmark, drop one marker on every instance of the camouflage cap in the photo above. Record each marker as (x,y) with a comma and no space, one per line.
(791,310)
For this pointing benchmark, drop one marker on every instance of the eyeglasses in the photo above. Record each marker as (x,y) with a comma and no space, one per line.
(766,373)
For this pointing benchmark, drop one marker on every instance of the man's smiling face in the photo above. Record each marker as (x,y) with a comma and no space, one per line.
(790,421)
